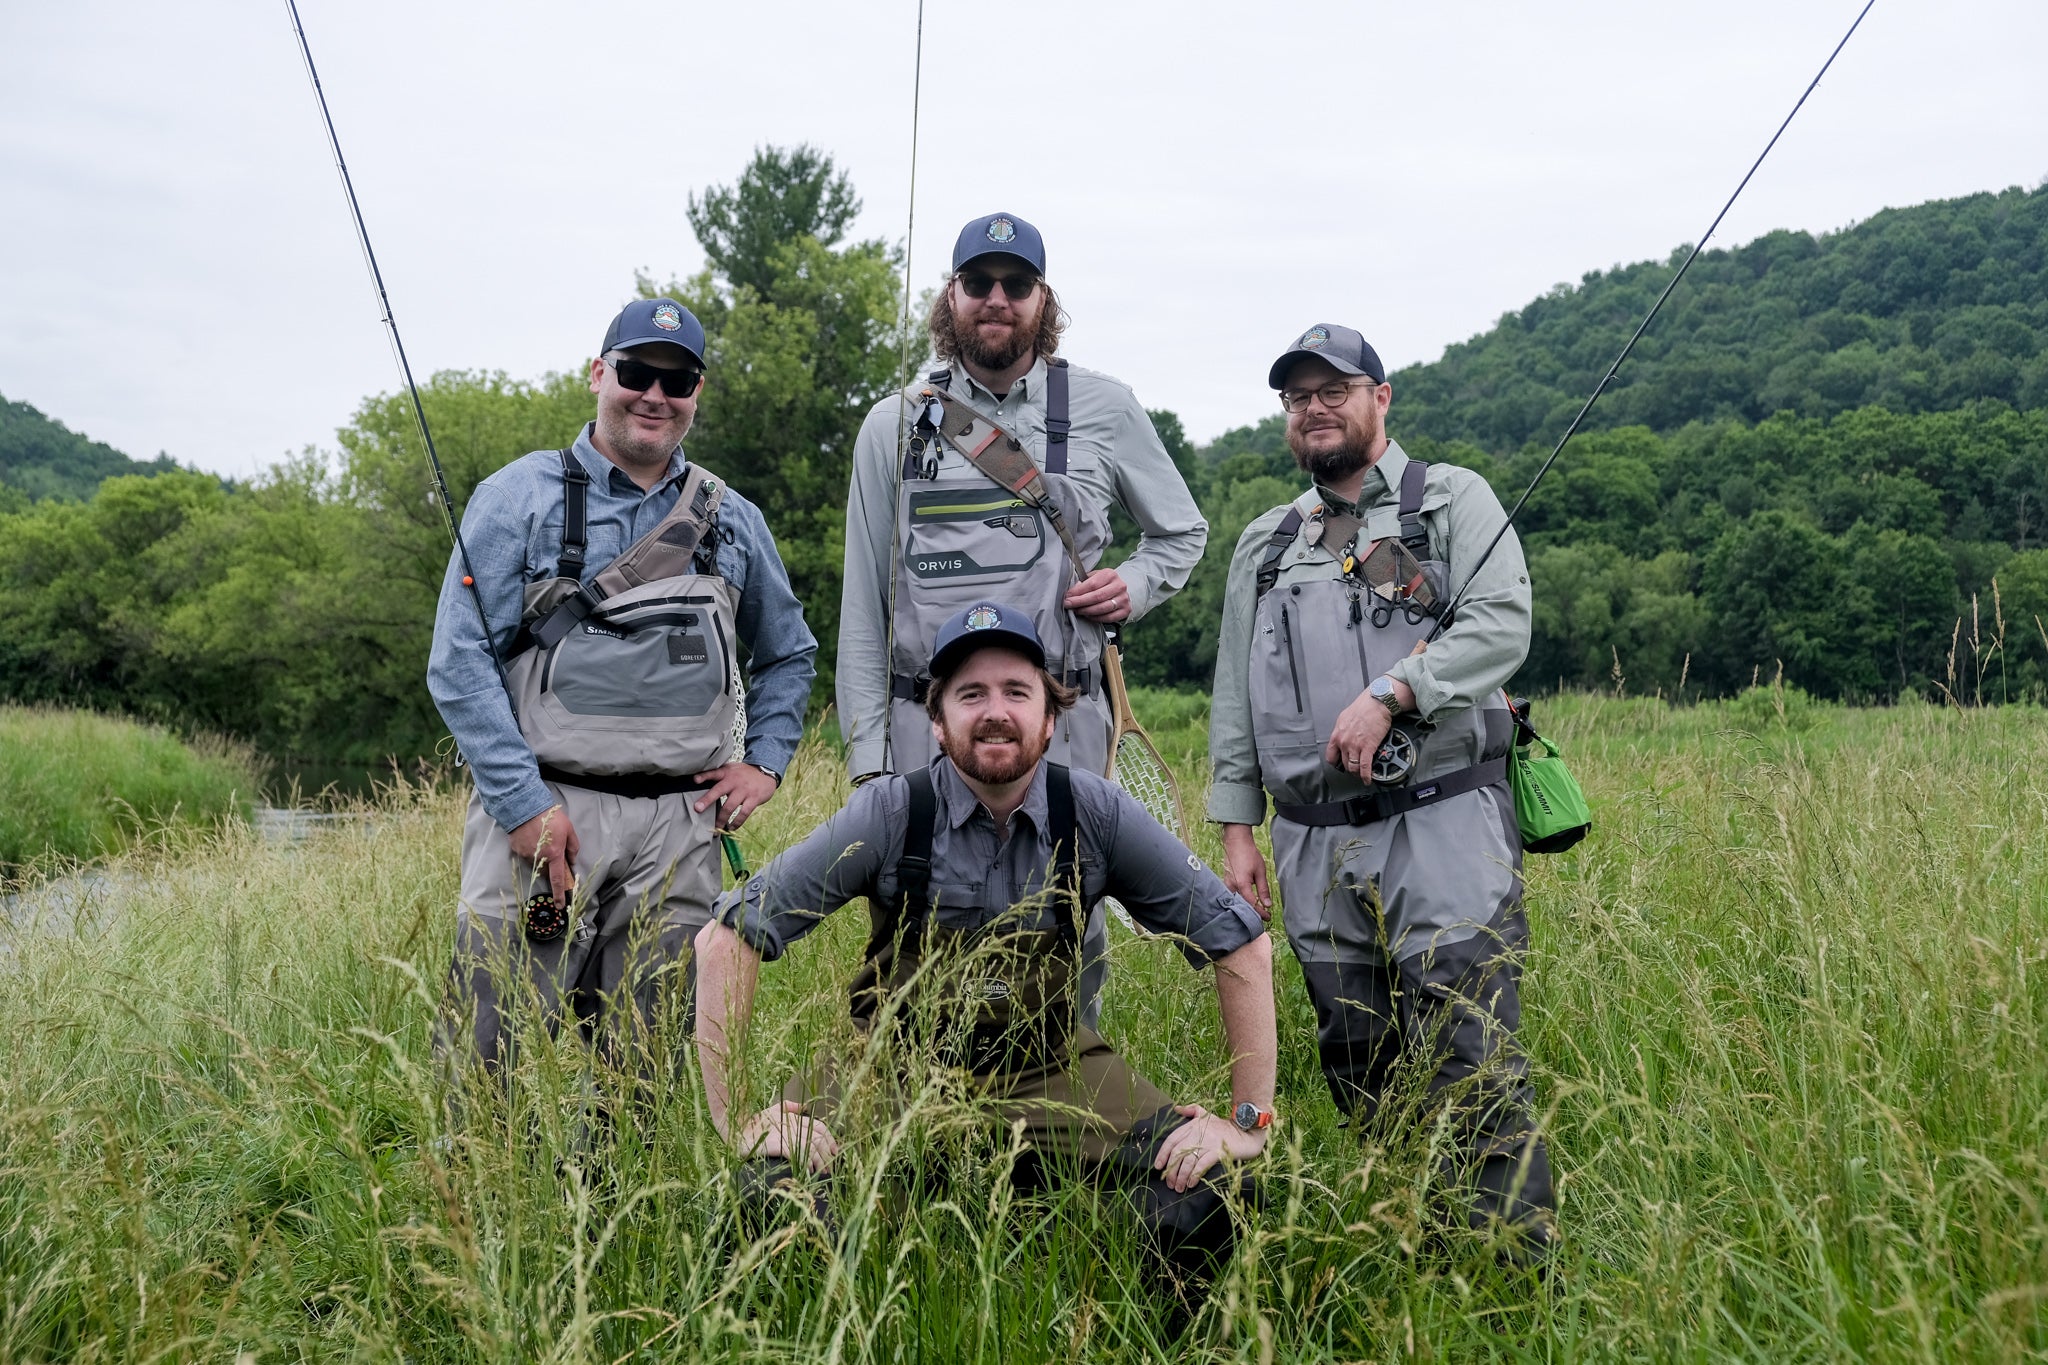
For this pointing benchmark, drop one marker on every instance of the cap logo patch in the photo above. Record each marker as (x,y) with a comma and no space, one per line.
(668,317)
(1315,338)
(984,618)
(1002,230)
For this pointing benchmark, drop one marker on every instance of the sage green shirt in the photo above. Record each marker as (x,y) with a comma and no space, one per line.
(1479,652)
(1113,455)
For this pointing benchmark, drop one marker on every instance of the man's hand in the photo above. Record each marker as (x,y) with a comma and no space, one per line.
(784,1130)
(1195,1146)
(743,787)
(1244,869)
(549,842)
(1101,596)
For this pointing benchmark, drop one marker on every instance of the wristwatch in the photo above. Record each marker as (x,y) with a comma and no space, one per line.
(1381,690)
(1250,1118)
(762,766)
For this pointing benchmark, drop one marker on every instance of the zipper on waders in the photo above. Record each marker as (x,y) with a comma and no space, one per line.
(1358,637)
(1293,674)
(724,652)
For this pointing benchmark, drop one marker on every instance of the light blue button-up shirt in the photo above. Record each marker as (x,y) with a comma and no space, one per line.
(513,528)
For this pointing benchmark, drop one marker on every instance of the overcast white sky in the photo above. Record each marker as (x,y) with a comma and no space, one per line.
(178,273)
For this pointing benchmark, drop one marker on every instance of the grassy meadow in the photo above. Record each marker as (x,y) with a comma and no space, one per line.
(1788,1010)
(77,784)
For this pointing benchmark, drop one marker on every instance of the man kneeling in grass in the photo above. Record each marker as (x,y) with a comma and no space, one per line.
(981,869)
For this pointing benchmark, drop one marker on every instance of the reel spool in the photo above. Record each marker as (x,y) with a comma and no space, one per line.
(545,920)
(1395,759)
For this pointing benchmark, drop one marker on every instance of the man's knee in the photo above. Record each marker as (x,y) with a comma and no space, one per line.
(1355,1030)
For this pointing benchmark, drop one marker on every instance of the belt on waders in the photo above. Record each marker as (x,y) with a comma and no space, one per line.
(636,785)
(1374,806)
(916,689)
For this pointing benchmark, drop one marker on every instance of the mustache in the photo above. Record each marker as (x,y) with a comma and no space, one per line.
(995,729)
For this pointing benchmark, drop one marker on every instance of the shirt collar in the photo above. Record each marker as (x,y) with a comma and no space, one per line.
(616,479)
(1380,480)
(1032,381)
(958,803)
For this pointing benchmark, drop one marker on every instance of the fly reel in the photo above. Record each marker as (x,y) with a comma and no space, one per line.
(1395,759)
(545,920)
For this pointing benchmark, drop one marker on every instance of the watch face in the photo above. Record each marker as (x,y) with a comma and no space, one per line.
(1247,1116)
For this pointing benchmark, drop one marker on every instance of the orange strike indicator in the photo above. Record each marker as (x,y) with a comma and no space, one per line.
(468,582)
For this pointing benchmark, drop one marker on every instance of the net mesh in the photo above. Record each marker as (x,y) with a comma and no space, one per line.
(1139,770)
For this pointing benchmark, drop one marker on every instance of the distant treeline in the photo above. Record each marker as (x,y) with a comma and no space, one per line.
(1866,549)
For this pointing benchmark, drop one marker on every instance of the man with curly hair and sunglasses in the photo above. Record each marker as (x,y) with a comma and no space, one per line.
(938,516)
(597,718)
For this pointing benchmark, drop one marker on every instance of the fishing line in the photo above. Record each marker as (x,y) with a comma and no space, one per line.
(1608,378)
(902,415)
(419,413)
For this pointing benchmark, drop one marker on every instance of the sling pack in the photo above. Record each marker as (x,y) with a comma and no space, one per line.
(1002,997)
(623,683)
(1321,637)
(992,525)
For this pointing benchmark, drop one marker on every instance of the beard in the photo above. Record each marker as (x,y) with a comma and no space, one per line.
(992,769)
(628,446)
(989,354)
(1332,466)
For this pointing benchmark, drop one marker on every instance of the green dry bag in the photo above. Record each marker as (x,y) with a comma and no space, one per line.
(1549,805)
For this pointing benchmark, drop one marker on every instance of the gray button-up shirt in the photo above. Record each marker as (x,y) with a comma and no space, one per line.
(978,875)
(513,528)
(1477,653)
(1113,453)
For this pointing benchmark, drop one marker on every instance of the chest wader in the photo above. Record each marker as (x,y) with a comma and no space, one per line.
(979,520)
(1000,997)
(623,683)
(1439,970)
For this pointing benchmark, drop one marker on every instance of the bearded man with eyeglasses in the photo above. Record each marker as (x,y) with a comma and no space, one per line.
(616,578)
(1350,689)
(930,530)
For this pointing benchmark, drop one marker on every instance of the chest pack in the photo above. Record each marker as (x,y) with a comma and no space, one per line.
(996,524)
(1322,636)
(623,683)
(994,998)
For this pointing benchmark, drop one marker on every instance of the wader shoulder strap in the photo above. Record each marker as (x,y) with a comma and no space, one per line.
(1276,546)
(670,549)
(1057,423)
(575,516)
(1412,533)
(1066,849)
(914,868)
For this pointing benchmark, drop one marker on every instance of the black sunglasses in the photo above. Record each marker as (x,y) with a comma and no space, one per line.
(638,375)
(979,285)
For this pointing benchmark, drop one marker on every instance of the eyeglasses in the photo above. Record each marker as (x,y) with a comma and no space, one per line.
(979,285)
(1333,394)
(638,375)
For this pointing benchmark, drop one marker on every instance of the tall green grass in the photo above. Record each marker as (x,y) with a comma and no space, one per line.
(77,784)
(1787,1010)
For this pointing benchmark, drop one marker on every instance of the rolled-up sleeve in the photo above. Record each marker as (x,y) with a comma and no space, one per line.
(1236,794)
(837,861)
(1168,889)
(1489,638)
(461,674)
(782,654)
(1151,489)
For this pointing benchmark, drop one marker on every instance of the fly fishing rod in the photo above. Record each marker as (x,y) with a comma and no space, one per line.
(1444,618)
(734,858)
(419,413)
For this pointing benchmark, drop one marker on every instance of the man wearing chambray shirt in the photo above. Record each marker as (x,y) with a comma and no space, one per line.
(632,859)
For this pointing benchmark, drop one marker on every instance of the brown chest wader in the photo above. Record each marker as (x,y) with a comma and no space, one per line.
(623,683)
(998,997)
(1409,941)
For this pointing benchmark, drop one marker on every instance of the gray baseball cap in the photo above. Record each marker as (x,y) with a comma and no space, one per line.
(1339,347)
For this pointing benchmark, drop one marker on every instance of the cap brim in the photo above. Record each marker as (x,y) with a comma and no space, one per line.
(946,660)
(1025,261)
(1277,376)
(658,339)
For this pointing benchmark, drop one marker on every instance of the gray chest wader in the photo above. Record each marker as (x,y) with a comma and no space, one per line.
(623,684)
(1000,997)
(1316,643)
(964,537)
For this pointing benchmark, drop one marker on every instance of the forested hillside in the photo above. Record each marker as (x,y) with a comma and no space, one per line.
(42,458)
(1830,457)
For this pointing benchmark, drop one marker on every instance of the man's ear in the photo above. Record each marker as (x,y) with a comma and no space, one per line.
(596,374)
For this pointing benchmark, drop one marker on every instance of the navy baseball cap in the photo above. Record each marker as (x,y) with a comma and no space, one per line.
(649,322)
(1343,349)
(1000,234)
(985,623)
